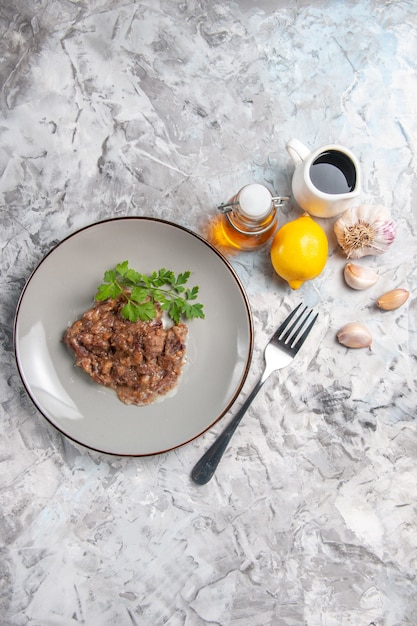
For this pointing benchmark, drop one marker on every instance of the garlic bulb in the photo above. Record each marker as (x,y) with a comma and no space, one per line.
(354,335)
(393,299)
(365,229)
(359,277)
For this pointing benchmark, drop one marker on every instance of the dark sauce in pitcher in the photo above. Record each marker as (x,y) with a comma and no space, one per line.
(333,172)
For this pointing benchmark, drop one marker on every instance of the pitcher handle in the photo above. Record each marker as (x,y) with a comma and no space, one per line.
(297,150)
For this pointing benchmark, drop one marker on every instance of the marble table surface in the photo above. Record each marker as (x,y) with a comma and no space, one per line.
(159,108)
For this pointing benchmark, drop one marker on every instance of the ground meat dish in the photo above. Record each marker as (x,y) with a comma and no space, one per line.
(141,361)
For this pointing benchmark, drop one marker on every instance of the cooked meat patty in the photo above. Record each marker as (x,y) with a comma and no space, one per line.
(141,361)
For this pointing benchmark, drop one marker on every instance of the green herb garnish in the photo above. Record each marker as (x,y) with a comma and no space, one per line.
(142,291)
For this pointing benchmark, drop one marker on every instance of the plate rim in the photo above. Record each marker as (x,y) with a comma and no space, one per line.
(228,266)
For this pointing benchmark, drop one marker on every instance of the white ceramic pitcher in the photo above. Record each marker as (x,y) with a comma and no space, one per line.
(325,181)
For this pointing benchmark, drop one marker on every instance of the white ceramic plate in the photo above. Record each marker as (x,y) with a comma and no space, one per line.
(63,286)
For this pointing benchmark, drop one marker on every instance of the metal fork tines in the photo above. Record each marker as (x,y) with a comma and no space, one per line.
(290,339)
(279,352)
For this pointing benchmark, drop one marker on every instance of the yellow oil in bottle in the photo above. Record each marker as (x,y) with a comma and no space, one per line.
(247,221)
(244,236)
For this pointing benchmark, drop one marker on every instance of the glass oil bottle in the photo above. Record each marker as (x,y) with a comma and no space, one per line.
(248,220)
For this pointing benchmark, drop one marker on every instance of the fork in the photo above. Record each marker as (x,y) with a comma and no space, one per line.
(279,352)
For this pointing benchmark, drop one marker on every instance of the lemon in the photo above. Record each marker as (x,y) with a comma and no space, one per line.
(299,251)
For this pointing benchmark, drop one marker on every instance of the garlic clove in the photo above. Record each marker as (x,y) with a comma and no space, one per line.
(365,230)
(354,335)
(359,277)
(393,299)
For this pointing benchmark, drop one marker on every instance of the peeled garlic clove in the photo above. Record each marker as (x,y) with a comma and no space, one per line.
(354,335)
(359,277)
(393,299)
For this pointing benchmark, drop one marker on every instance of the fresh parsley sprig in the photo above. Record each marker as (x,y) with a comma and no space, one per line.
(142,291)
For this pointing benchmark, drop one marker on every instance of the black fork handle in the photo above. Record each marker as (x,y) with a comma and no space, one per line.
(206,466)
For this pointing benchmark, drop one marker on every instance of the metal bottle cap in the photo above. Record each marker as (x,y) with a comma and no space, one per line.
(253,202)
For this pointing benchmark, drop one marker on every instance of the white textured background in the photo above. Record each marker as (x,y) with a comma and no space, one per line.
(165,108)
